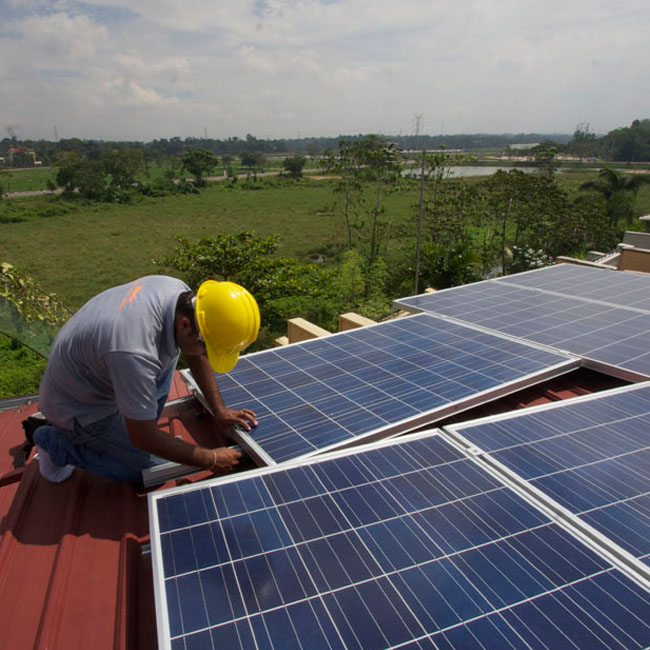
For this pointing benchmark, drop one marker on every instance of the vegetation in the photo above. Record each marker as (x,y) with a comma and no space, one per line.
(254,161)
(28,300)
(29,320)
(311,248)
(619,192)
(627,144)
(199,162)
(293,165)
(281,286)
(49,153)
(369,169)
(20,368)
(84,246)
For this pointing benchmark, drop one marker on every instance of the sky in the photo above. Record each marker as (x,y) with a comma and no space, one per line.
(149,69)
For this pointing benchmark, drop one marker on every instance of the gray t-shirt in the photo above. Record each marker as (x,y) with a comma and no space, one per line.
(110,355)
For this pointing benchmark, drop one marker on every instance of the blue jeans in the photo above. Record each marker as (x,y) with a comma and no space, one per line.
(103,447)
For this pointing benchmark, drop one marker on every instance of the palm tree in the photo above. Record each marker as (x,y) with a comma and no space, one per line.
(619,192)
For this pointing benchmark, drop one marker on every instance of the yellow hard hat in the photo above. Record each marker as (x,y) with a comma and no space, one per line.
(229,319)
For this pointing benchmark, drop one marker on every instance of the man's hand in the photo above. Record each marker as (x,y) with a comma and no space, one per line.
(146,435)
(245,418)
(222,459)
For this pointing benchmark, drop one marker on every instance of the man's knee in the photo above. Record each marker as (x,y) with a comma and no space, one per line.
(49,438)
(42,437)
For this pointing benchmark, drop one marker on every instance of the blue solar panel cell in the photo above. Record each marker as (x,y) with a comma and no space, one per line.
(600,620)
(375,382)
(590,455)
(400,545)
(604,286)
(599,314)
(627,523)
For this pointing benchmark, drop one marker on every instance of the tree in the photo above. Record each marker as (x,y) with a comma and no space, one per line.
(443,266)
(532,220)
(88,177)
(589,228)
(227,162)
(583,143)
(628,144)
(293,165)
(313,149)
(362,286)
(23,159)
(282,287)
(199,162)
(619,192)
(545,156)
(123,166)
(28,314)
(171,166)
(369,168)
(344,164)
(91,180)
(381,172)
(254,160)
(224,256)
(439,203)
(66,176)
(6,174)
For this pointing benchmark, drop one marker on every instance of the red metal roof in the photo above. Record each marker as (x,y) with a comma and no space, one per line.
(72,572)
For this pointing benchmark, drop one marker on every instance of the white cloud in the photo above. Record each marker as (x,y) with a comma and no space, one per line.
(136,64)
(62,37)
(122,93)
(252,59)
(274,67)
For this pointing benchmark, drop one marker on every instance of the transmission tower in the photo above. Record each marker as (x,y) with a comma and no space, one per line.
(418,120)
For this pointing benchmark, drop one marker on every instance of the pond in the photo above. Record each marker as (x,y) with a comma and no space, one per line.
(466,171)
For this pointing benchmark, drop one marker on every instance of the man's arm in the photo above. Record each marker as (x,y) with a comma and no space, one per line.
(224,416)
(146,435)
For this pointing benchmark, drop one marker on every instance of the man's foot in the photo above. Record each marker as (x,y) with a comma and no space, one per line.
(31,424)
(51,472)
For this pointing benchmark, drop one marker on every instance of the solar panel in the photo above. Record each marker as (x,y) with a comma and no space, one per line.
(404,544)
(591,455)
(605,286)
(374,382)
(602,333)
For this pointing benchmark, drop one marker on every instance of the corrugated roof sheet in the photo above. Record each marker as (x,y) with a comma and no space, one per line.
(72,571)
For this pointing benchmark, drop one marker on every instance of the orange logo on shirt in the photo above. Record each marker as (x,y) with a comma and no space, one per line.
(132,295)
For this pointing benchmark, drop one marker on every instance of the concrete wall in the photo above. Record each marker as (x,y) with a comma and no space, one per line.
(637,239)
(634,259)
(575,260)
(299,329)
(352,320)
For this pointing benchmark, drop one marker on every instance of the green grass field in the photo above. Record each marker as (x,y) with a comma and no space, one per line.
(92,247)
(81,249)
(20,369)
(36,178)
(74,250)
(26,180)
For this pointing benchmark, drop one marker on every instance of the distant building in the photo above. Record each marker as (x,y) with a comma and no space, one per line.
(22,151)
(524,146)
